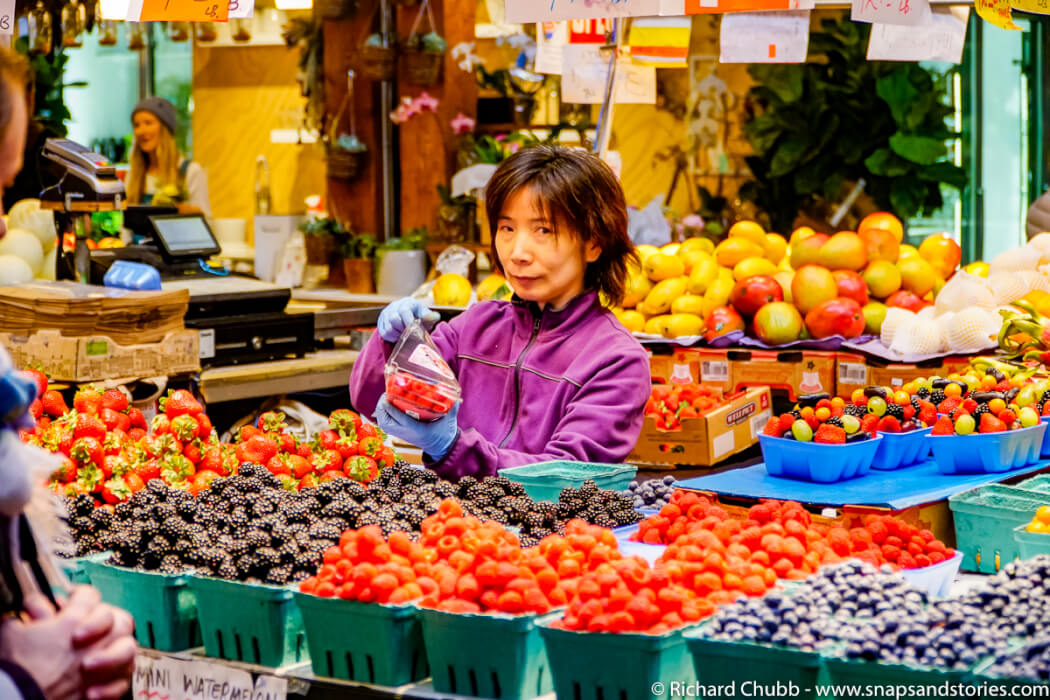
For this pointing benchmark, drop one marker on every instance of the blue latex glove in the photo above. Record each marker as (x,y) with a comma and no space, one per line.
(435,437)
(398,314)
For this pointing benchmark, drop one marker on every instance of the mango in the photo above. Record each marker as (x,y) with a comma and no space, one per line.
(702,275)
(666,291)
(732,250)
(681,325)
(661,266)
(688,304)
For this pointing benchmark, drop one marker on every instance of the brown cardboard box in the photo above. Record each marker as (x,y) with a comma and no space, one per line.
(705,366)
(710,438)
(96,357)
(851,373)
(794,372)
(895,375)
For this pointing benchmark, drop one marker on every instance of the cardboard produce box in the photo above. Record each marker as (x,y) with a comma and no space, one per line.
(791,372)
(856,371)
(709,439)
(97,357)
(706,366)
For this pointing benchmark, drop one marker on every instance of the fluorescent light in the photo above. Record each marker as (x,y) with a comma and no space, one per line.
(115,9)
(294,4)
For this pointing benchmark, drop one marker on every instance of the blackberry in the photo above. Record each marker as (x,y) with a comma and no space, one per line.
(895,410)
(465,483)
(923,392)
(304,561)
(855,411)
(228,571)
(279,575)
(936,397)
(981,409)
(834,420)
(796,413)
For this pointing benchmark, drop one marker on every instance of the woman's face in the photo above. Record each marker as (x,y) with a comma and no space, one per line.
(13,143)
(543,264)
(147,131)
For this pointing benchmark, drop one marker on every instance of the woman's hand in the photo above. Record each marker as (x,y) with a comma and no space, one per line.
(435,437)
(398,314)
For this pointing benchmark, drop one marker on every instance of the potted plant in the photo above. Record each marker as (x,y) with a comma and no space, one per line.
(455,217)
(424,53)
(401,263)
(320,234)
(358,251)
(379,57)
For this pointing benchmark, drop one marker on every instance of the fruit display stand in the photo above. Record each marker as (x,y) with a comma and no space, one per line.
(857,370)
(789,373)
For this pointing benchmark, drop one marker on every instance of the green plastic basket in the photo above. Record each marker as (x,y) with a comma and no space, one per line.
(984,521)
(163,606)
(365,642)
(603,666)
(734,665)
(1031,544)
(981,674)
(1040,483)
(860,674)
(510,663)
(75,570)
(544,481)
(249,622)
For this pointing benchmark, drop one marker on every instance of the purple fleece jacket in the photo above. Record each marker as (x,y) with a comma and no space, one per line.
(537,385)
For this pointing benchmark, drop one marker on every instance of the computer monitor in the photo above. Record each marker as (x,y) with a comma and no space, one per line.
(184,236)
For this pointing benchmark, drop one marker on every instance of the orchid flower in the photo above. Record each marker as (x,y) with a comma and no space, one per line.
(464,54)
(425,101)
(461,124)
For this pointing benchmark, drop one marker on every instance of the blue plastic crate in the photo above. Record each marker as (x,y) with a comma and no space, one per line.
(511,663)
(544,481)
(980,453)
(1044,449)
(899,450)
(820,462)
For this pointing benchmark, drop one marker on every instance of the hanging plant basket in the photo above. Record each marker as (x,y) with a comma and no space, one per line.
(378,62)
(344,164)
(345,153)
(335,9)
(423,53)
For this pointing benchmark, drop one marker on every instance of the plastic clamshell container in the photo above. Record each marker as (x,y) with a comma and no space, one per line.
(1031,544)
(1039,483)
(935,579)
(899,450)
(985,518)
(600,665)
(862,674)
(820,462)
(418,380)
(722,663)
(543,481)
(253,623)
(163,606)
(980,453)
(511,662)
(365,642)
(1044,448)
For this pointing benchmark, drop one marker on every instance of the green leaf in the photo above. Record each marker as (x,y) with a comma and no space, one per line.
(906,196)
(832,185)
(898,92)
(762,132)
(948,173)
(789,155)
(886,162)
(918,149)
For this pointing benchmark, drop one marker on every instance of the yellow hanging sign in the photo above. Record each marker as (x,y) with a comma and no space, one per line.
(1041,7)
(996,12)
(179,10)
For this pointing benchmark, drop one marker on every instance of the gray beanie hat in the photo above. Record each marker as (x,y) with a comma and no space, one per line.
(158,107)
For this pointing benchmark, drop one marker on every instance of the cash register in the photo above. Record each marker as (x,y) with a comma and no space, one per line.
(241,319)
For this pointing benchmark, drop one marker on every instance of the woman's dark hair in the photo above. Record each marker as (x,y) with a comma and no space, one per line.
(14,74)
(578,192)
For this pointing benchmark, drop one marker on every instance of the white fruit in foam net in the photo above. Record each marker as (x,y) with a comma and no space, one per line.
(918,337)
(892,322)
(964,291)
(1023,258)
(1041,243)
(972,330)
(1009,287)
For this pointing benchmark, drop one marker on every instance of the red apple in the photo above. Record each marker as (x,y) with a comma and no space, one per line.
(903,299)
(752,293)
(722,320)
(851,286)
(836,317)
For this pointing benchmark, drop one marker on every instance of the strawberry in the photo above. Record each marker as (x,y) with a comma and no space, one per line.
(114,465)
(87,450)
(786,421)
(136,434)
(365,430)
(66,472)
(370,446)
(114,442)
(109,417)
(361,468)
(192,452)
(286,443)
(330,475)
(175,470)
(39,378)
(948,405)
(813,422)
(219,459)
(115,400)
(88,425)
(943,426)
(179,403)
(386,458)
(970,405)
(248,432)
(202,480)
(134,482)
(272,422)
(160,425)
(344,421)
(1003,386)
(830,434)
(326,460)
(115,491)
(991,424)
(184,427)
(889,424)
(1007,416)
(36,409)
(162,446)
(147,469)
(908,411)
(137,419)
(347,447)
(87,400)
(300,467)
(258,450)
(824,403)
(90,478)
(204,427)
(869,423)
(307,482)
(773,428)
(53,404)
(1046,409)
(927,412)
(278,465)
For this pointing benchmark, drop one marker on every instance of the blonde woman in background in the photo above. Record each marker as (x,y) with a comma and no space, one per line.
(159,174)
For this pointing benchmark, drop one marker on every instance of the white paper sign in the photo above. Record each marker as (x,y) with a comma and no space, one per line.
(551,39)
(585,72)
(164,677)
(522,11)
(242,9)
(7,16)
(270,688)
(906,12)
(764,37)
(941,40)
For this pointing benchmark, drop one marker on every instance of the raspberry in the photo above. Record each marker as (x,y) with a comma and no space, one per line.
(1003,386)
(830,434)
(889,424)
(891,552)
(878,531)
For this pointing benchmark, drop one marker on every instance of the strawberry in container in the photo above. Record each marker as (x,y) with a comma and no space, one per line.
(418,380)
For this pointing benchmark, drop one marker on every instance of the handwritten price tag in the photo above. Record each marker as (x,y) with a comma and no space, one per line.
(996,12)
(551,38)
(907,12)
(940,40)
(707,7)
(242,9)
(178,10)
(1038,6)
(165,678)
(7,16)
(764,37)
(587,68)
(521,11)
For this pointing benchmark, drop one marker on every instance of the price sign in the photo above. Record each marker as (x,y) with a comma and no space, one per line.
(178,679)
(764,37)
(587,68)
(522,11)
(589,31)
(1038,6)
(241,9)
(7,16)
(707,7)
(940,40)
(996,12)
(907,12)
(178,10)
(551,38)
